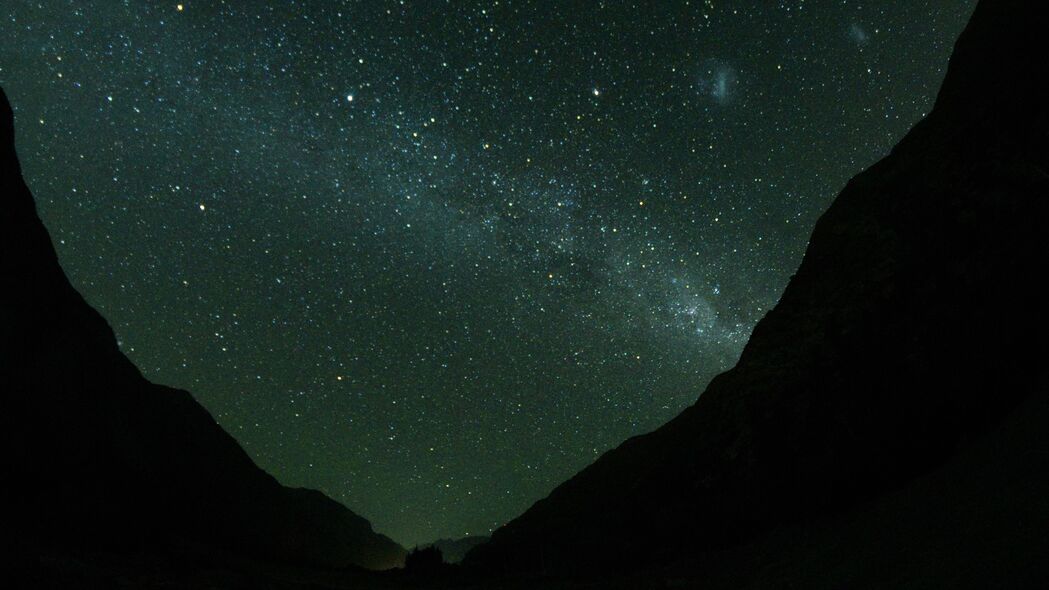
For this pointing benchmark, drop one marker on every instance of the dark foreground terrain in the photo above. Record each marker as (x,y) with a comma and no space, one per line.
(886,426)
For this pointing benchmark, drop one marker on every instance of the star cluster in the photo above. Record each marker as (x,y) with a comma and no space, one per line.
(433,258)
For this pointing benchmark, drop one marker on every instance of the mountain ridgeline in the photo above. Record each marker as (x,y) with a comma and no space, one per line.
(99,457)
(885,425)
(909,342)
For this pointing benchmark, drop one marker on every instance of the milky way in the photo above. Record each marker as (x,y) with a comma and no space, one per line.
(433,258)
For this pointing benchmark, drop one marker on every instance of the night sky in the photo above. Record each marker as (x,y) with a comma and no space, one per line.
(433,258)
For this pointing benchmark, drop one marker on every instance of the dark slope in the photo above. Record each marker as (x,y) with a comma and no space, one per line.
(97,456)
(914,324)
(979,521)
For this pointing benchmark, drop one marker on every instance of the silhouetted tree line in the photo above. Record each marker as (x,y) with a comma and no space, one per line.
(426,560)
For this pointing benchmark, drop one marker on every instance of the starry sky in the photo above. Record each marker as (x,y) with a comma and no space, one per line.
(434,257)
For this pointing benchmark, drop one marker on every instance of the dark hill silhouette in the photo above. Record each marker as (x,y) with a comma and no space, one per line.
(913,330)
(97,456)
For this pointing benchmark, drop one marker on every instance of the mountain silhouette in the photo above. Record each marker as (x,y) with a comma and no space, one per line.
(893,403)
(97,456)
(885,425)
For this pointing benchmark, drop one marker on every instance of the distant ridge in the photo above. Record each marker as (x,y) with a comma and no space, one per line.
(455,550)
